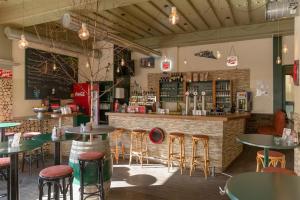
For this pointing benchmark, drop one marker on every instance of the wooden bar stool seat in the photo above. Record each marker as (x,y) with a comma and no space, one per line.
(4,171)
(53,176)
(178,156)
(138,145)
(279,171)
(275,158)
(197,159)
(116,148)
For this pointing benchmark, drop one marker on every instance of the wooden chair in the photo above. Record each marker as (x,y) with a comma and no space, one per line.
(176,156)
(138,145)
(275,158)
(115,149)
(196,160)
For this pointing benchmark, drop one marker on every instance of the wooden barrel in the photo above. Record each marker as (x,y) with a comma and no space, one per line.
(90,175)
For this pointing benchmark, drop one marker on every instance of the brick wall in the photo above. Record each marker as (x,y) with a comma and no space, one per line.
(5,99)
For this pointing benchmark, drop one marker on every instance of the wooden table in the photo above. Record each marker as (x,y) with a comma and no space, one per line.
(263,186)
(266,142)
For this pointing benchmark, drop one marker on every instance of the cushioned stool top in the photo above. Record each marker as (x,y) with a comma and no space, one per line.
(9,133)
(93,155)
(56,171)
(279,170)
(175,134)
(274,154)
(4,162)
(30,134)
(205,137)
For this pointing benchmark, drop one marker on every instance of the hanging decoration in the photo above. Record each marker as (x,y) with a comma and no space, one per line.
(166,65)
(23,43)
(84,33)
(232,58)
(173,17)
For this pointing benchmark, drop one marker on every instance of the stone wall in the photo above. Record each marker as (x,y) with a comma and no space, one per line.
(5,99)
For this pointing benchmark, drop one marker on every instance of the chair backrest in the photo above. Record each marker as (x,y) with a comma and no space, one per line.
(279,122)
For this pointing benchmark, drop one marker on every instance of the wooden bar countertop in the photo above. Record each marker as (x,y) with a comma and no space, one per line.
(225,117)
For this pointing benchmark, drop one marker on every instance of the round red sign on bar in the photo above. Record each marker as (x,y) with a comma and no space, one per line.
(157,135)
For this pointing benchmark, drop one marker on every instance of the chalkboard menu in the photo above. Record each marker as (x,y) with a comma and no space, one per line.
(49,75)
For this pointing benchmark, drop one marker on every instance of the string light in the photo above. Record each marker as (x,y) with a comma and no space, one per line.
(84,33)
(23,43)
(219,55)
(173,17)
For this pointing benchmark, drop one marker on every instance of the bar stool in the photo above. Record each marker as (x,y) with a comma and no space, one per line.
(53,176)
(176,156)
(278,170)
(196,160)
(275,157)
(138,145)
(34,155)
(4,171)
(116,137)
(97,157)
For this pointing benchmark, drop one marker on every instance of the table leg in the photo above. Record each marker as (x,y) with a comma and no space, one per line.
(14,179)
(266,157)
(56,162)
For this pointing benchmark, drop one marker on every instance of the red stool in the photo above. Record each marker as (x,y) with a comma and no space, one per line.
(35,155)
(97,157)
(52,176)
(4,171)
(279,170)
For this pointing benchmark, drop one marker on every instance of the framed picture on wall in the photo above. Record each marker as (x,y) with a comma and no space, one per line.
(296,72)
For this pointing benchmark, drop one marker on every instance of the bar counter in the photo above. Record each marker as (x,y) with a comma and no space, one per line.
(222,132)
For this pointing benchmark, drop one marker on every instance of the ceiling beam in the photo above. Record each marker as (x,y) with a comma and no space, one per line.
(230,6)
(198,13)
(42,11)
(228,34)
(215,12)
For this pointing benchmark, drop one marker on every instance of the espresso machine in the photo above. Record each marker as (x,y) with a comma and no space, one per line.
(244,101)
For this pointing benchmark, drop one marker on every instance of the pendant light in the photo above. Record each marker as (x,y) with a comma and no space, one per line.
(54,67)
(219,55)
(278,59)
(84,33)
(23,43)
(122,62)
(285,49)
(173,17)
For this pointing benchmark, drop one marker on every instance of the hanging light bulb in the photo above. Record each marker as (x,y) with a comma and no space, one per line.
(83,33)
(185,61)
(284,49)
(118,69)
(173,17)
(23,43)
(87,65)
(219,55)
(149,64)
(278,60)
(122,62)
(54,67)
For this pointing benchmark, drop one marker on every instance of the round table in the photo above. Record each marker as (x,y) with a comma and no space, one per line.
(4,125)
(45,138)
(263,186)
(264,141)
(25,145)
(99,130)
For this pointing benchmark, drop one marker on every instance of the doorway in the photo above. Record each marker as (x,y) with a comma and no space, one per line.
(288,91)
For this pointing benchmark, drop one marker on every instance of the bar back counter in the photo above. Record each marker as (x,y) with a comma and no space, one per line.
(222,132)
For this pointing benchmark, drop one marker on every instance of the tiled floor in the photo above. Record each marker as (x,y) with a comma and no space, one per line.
(153,182)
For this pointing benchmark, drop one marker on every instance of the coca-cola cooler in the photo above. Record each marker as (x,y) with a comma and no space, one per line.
(82,97)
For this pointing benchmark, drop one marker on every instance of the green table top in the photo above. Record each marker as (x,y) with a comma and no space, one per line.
(263,186)
(9,124)
(263,141)
(25,145)
(102,129)
(46,137)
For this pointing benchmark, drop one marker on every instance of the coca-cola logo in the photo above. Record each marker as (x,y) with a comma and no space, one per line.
(79,94)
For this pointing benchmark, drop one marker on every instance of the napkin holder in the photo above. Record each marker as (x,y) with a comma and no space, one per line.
(16,140)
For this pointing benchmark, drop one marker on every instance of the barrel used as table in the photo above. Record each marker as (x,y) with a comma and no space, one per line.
(90,176)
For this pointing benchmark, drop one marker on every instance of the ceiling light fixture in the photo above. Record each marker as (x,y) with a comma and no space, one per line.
(84,33)
(278,59)
(285,49)
(173,17)
(23,43)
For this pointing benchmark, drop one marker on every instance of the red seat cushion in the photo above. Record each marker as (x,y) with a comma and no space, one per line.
(4,162)
(28,135)
(271,154)
(93,155)
(56,171)
(277,126)
(267,130)
(279,171)
(9,133)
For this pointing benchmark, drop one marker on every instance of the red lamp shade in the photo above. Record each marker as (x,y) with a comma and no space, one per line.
(157,135)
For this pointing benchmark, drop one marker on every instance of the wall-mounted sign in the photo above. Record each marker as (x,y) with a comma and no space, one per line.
(232,61)
(5,73)
(148,62)
(166,65)
(296,72)
(206,54)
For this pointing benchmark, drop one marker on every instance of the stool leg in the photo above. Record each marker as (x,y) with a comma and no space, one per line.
(81,163)
(71,187)
(257,164)
(169,154)
(181,156)
(205,160)
(100,173)
(49,190)
(117,151)
(123,151)
(23,161)
(56,194)
(8,183)
(130,151)
(193,156)
(40,189)
(64,189)
(30,162)
(141,151)
(43,156)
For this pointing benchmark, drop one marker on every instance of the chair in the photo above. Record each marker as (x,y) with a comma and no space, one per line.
(96,157)
(278,170)
(138,145)
(4,171)
(196,160)
(176,156)
(278,125)
(53,176)
(275,158)
(115,149)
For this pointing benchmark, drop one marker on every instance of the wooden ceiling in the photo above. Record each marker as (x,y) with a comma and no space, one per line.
(147,20)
